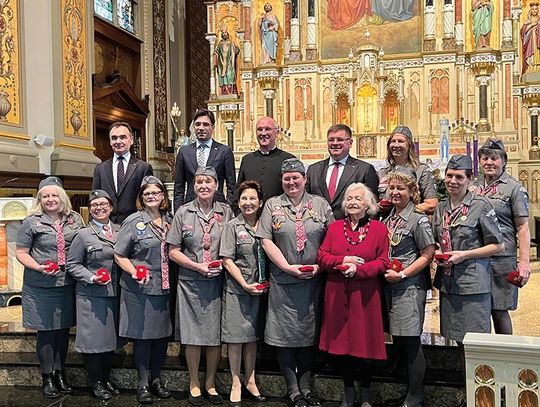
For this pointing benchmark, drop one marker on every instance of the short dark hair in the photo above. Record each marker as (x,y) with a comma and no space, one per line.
(468,173)
(165,204)
(205,112)
(121,124)
(337,127)
(251,184)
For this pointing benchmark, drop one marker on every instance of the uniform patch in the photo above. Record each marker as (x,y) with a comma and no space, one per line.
(140,226)
(243,234)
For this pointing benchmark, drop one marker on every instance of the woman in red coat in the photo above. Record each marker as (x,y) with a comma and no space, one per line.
(354,253)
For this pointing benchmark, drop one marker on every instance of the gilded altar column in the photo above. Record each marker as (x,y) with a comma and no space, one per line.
(295,54)
(448,25)
(534,151)
(247,44)
(515,13)
(287,36)
(483,65)
(381,77)
(458,25)
(269,95)
(483,83)
(401,95)
(311,47)
(333,95)
(212,40)
(429,27)
(507,26)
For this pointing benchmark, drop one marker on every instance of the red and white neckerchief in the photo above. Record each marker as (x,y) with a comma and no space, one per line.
(108,232)
(299,228)
(490,189)
(60,243)
(450,220)
(161,234)
(207,239)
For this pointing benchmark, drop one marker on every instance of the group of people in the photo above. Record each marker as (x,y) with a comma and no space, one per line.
(310,261)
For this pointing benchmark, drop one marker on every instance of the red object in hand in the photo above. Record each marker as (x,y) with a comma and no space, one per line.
(263,286)
(141,272)
(214,264)
(342,267)
(442,256)
(396,265)
(385,203)
(306,269)
(51,266)
(514,278)
(104,275)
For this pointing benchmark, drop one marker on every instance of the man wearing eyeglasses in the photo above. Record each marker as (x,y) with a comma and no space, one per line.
(329,178)
(204,152)
(264,165)
(121,175)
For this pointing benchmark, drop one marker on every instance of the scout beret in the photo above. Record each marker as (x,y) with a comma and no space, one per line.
(99,193)
(292,165)
(403,130)
(50,181)
(150,179)
(209,171)
(405,170)
(494,144)
(459,162)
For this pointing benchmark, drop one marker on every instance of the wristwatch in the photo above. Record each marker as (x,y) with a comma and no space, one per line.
(403,275)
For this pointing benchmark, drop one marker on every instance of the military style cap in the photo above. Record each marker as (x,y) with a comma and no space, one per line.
(293,165)
(99,193)
(494,144)
(50,181)
(150,179)
(405,170)
(209,171)
(459,162)
(403,130)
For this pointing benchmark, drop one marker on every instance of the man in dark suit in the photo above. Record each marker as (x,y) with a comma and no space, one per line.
(329,178)
(205,152)
(121,175)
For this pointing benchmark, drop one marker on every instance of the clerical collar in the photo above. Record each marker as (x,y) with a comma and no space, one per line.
(267,152)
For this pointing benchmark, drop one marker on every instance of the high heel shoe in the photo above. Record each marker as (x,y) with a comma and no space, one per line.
(259,398)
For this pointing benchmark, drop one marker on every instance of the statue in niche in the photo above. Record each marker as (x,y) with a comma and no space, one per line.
(530,40)
(482,13)
(269,26)
(225,62)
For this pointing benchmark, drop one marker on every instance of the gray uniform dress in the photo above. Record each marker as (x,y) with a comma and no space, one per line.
(241,312)
(406,300)
(144,309)
(294,305)
(48,302)
(424,178)
(466,290)
(510,200)
(198,309)
(97,305)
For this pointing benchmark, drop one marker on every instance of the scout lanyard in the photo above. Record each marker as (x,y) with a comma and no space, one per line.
(395,223)
(161,233)
(490,189)
(450,221)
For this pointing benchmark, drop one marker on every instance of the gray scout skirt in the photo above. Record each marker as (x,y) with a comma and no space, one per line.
(464,313)
(240,317)
(48,308)
(406,310)
(198,312)
(504,296)
(294,314)
(144,316)
(97,324)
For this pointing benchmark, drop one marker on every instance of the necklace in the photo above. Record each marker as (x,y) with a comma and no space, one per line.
(362,232)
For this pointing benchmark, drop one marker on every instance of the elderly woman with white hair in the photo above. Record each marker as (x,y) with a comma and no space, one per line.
(354,254)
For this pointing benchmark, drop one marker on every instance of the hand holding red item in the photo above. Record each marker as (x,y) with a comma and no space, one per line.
(263,286)
(52,267)
(141,272)
(396,265)
(306,269)
(103,275)
(515,279)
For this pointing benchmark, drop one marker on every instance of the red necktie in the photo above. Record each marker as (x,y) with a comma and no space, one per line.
(333,181)
(108,232)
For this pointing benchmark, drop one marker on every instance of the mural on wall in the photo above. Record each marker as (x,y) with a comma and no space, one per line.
(343,22)
(10,98)
(74,68)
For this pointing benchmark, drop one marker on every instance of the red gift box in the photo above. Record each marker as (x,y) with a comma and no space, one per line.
(442,256)
(342,267)
(104,275)
(51,266)
(306,269)
(141,272)
(263,286)
(396,265)
(385,203)
(215,264)
(514,278)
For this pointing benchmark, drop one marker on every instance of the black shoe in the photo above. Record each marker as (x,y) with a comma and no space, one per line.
(100,392)
(49,387)
(254,397)
(235,403)
(112,387)
(195,400)
(144,396)
(395,402)
(214,398)
(159,389)
(297,401)
(311,400)
(61,382)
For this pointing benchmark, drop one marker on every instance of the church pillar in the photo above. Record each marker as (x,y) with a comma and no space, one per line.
(311,48)
(483,122)
(333,100)
(269,95)
(287,36)
(212,40)
(401,96)
(459,30)
(534,152)
(247,44)
(295,54)
(507,26)
(230,134)
(429,27)
(448,25)
(483,65)
(516,12)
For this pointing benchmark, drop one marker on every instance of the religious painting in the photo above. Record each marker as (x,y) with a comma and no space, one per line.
(482,24)
(439,91)
(268,32)
(367,113)
(348,24)
(529,34)
(226,56)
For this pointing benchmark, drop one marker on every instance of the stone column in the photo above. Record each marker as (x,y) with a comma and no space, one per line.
(459,30)
(534,152)
(448,25)
(401,95)
(507,26)
(516,12)
(483,122)
(247,44)
(483,65)
(212,40)
(311,48)
(230,134)
(429,28)
(269,95)
(287,29)
(295,54)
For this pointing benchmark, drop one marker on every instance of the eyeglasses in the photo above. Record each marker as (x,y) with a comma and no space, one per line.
(338,140)
(266,129)
(99,205)
(153,193)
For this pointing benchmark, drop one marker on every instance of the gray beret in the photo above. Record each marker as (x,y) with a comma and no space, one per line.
(150,179)
(209,171)
(494,144)
(403,130)
(98,193)
(405,170)
(293,165)
(459,162)
(50,181)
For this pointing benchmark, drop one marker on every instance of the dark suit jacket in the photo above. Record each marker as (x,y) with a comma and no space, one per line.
(221,158)
(124,200)
(354,171)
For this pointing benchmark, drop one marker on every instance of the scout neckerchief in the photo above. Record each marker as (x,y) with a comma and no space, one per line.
(207,239)
(161,234)
(299,228)
(395,223)
(490,189)
(108,232)
(261,255)
(60,243)
(451,218)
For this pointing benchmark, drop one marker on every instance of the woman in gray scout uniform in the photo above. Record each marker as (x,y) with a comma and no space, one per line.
(194,245)
(467,230)
(96,297)
(413,246)
(246,263)
(48,299)
(511,202)
(292,227)
(142,252)
(401,153)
